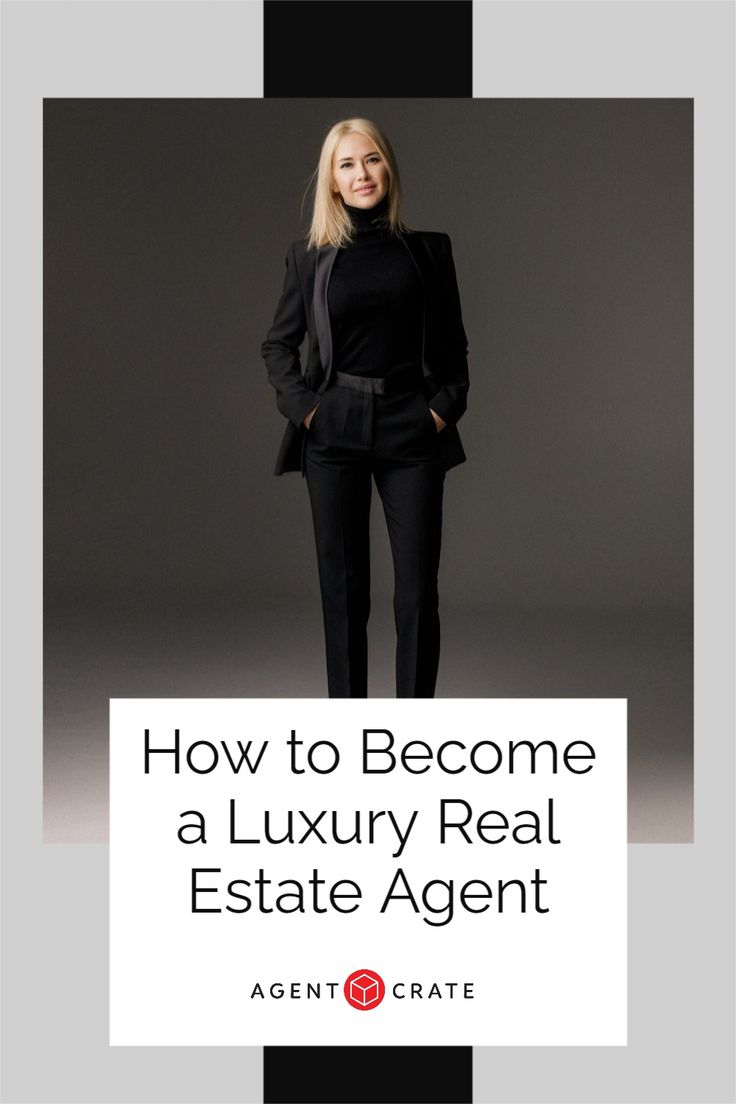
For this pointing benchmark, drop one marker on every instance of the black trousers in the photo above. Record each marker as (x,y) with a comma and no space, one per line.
(357,437)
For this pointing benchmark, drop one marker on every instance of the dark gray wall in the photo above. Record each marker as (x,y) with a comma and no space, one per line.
(166,224)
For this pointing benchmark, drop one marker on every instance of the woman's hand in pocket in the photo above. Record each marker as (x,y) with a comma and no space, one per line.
(440,425)
(310,415)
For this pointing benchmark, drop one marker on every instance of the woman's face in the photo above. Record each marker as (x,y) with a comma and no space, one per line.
(359,172)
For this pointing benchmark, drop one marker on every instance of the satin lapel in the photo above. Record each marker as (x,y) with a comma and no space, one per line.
(325,260)
(419,258)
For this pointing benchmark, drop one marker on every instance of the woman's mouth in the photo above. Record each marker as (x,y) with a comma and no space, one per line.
(366,189)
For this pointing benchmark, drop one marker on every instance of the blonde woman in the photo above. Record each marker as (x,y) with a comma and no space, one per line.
(384,384)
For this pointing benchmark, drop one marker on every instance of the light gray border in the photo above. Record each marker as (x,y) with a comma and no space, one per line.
(681,897)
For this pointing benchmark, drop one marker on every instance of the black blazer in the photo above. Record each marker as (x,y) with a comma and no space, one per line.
(302,309)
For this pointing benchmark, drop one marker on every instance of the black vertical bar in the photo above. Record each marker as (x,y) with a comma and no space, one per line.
(386,48)
(368,1075)
(415,48)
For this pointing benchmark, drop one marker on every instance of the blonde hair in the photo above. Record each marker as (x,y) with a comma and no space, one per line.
(331,223)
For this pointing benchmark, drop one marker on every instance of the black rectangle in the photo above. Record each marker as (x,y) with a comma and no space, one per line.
(368,1075)
(413,48)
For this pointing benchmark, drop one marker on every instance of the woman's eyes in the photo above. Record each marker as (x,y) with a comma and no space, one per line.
(349,164)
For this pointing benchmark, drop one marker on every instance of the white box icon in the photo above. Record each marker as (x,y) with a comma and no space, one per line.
(364,989)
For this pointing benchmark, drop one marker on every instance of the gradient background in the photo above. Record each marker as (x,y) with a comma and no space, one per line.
(177,565)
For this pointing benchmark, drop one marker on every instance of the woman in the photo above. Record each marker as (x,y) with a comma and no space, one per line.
(384,383)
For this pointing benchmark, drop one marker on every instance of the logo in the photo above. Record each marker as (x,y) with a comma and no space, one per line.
(364,990)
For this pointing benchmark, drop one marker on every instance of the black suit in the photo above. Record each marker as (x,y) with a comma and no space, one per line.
(357,436)
(302,309)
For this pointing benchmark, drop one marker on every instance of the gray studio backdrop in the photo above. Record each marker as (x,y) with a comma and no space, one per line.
(176,564)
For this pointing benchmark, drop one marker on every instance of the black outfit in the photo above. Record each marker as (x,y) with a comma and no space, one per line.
(375,301)
(390,343)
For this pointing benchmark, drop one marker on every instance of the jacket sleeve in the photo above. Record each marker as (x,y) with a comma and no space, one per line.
(451,400)
(280,350)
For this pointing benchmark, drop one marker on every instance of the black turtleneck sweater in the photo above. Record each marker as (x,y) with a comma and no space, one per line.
(375,300)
